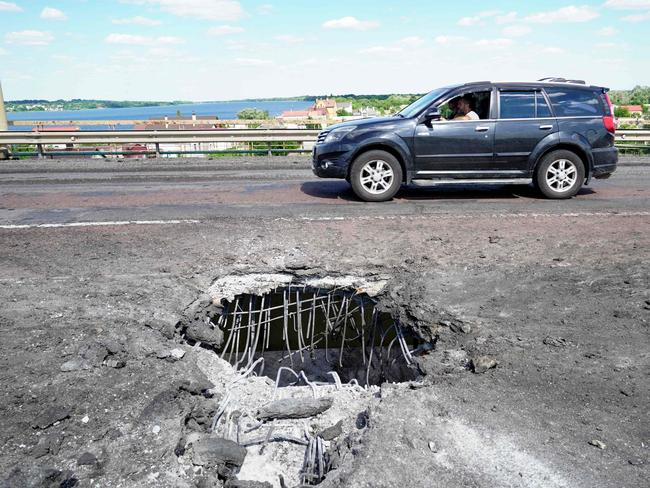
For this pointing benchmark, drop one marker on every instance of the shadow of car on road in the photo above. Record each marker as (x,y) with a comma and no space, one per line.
(341,190)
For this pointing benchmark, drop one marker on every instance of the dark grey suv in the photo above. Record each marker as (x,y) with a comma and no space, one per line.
(555,134)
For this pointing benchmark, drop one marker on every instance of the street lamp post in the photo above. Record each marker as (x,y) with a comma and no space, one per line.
(3,113)
(4,152)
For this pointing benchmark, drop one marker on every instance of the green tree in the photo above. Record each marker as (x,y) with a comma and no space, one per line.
(341,113)
(253,114)
(621,112)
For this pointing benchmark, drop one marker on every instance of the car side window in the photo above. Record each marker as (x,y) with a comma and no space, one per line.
(517,105)
(571,102)
(543,110)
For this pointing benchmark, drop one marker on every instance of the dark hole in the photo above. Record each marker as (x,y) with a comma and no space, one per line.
(317,331)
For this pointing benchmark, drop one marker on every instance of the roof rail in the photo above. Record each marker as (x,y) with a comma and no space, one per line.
(552,79)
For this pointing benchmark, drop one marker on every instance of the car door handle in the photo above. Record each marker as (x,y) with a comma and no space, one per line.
(482,128)
(545,127)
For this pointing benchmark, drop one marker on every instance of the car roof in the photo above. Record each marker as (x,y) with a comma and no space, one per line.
(527,84)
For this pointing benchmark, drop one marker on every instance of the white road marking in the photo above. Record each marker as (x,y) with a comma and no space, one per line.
(334,219)
(98,224)
(466,216)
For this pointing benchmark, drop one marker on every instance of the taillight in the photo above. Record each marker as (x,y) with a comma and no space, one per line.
(608,120)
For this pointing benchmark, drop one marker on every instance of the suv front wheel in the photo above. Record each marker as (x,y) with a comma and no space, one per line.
(376,176)
(560,174)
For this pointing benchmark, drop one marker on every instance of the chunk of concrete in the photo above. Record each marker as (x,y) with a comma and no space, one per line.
(50,416)
(294,408)
(213,451)
(482,363)
(203,333)
(332,432)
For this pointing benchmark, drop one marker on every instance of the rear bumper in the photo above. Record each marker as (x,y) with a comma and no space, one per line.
(605,162)
(331,161)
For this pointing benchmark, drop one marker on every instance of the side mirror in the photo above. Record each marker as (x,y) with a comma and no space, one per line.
(432,114)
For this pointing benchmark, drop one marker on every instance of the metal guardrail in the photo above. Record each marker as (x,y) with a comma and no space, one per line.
(152,141)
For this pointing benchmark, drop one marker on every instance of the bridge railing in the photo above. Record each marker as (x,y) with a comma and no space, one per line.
(178,142)
(166,142)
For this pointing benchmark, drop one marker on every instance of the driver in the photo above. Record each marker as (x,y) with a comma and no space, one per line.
(464,109)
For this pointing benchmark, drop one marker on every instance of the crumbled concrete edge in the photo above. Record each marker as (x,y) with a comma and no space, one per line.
(226,288)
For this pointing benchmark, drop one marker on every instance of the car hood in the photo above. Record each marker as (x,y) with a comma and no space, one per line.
(364,122)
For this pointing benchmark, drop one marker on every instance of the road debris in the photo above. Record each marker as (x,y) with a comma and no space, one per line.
(481,364)
(597,443)
(294,408)
(50,416)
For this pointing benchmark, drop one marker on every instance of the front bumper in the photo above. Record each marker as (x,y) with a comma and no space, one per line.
(605,162)
(330,160)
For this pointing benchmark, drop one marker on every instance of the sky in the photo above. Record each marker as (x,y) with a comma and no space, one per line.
(203,50)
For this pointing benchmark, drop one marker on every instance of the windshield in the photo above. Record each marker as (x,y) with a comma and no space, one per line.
(421,103)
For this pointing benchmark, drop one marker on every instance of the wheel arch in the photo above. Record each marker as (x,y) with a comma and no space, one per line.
(381,146)
(578,149)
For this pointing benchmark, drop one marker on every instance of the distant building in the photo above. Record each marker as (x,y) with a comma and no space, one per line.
(325,103)
(345,106)
(56,128)
(367,112)
(295,114)
(323,108)
(633,109)
(192,122)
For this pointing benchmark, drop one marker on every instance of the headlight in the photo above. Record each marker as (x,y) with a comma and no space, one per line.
(337,134)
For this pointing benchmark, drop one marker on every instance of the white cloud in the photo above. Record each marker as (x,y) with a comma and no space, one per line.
(253,62)
(516,30)
(62,58)
(411,42)
(3,52)
(49,13)
(265,9)
(552,50)
(137,20)
(227,10)
(290,39)
(499,43)
(506,18)
(628,4)
(380,50)
(476,19)
(636,17)
(225,30)
(607,32)
(351,23)
(406,43)
(9,7)
(609,45)
(236,45)
(136,40)
(29,38)
(469,21)
(446,40)
(570,14)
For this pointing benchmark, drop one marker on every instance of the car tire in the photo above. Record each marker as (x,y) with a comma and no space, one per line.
(560,174)
(376,176)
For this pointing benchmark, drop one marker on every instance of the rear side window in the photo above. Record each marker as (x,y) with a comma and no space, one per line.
(569,102)
(517,105)
(523,105)
(543,110)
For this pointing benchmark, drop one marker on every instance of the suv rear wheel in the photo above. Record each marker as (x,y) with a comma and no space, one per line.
(560,174)
(376,176)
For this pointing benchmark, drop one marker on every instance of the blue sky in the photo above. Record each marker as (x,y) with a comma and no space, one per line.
(228,49)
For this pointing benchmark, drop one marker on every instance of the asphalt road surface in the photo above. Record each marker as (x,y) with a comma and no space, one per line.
(100,261)
(59,191)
